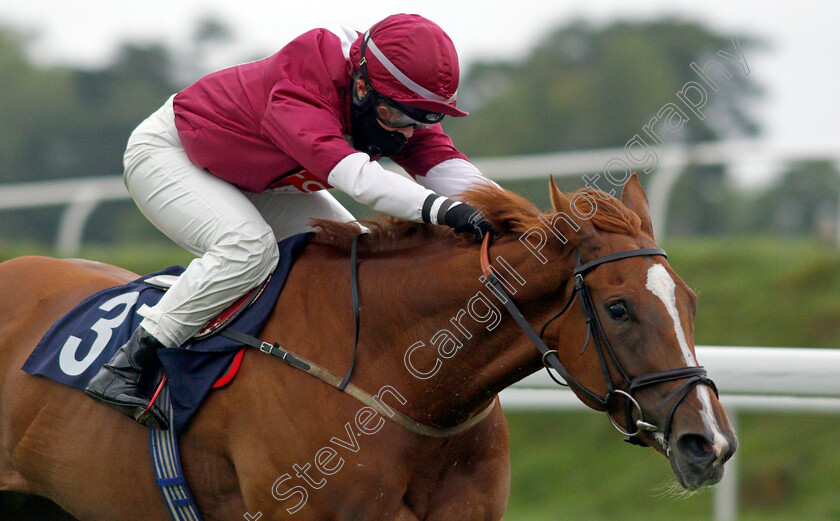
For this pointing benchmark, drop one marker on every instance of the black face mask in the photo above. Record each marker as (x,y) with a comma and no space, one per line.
(369,136)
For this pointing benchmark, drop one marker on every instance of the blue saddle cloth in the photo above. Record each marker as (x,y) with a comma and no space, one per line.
(81,342)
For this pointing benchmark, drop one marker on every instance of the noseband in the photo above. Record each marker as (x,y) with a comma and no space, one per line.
(693,376)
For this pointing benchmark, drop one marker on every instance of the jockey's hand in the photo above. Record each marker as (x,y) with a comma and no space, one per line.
(463,218)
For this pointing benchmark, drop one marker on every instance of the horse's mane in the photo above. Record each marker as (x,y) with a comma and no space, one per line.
(509,213)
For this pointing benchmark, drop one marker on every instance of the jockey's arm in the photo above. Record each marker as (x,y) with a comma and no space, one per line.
(382,190)
(308,129)
(390,193)
(452,177)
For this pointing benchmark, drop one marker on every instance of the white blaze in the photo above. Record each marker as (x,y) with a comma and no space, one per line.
(660,283)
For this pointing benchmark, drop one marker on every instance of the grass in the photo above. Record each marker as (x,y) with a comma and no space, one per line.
(762,291)
(574,466)
(752,291)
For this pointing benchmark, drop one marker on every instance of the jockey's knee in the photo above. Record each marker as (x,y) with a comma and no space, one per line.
(253,250)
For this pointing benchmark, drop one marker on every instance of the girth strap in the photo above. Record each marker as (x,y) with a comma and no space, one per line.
(169,475)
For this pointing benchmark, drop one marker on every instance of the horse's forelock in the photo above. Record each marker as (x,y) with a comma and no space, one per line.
(610,214)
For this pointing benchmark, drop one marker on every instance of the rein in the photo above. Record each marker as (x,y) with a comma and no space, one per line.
(606,355)
(343,384)
(332,379)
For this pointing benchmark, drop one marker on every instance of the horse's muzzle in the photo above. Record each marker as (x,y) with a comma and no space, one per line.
(698,459)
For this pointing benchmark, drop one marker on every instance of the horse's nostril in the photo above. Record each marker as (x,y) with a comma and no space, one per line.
(728,455)
(733,446)
(696,446)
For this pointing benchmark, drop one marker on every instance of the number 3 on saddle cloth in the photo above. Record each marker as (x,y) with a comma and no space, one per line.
(81,342)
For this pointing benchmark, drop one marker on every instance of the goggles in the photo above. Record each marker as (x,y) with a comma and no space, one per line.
(397,115)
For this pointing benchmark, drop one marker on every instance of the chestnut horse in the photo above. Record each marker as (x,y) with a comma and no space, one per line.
(435,344)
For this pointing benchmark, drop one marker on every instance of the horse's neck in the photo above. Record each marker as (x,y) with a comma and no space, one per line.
(454,344)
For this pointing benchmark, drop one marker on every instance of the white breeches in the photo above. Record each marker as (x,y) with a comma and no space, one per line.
(234,234)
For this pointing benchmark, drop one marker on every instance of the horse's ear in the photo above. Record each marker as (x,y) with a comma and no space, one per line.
(562,221)
(634,198)
(559,202)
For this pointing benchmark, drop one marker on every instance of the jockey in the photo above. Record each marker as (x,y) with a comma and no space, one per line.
(243,157)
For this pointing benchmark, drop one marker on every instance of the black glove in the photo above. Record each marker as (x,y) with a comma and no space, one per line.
(463,218)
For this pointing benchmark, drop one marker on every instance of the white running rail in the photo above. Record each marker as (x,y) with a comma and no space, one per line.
(81,196)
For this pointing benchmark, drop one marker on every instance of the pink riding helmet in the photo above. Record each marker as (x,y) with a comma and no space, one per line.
(411,60)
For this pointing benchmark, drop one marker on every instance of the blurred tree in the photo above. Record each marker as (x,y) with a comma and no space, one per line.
(701,203)
(64,123)
(110,103)
(59,123)
(804,200)
(209,37)
(32,101)
(211,30)
(584,86)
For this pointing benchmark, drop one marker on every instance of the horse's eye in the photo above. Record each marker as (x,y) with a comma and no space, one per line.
(618,311)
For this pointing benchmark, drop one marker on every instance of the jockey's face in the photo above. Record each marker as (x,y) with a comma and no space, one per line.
(384,112)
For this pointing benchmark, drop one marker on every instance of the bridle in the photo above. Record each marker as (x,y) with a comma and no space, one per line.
(693,376)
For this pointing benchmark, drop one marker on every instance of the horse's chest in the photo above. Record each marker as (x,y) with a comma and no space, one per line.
(462,488)
(426,485)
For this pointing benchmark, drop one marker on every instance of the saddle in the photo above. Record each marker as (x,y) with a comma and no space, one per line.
(223,319)
(78,344)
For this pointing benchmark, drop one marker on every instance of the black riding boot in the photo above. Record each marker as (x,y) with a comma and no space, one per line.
(117,383)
